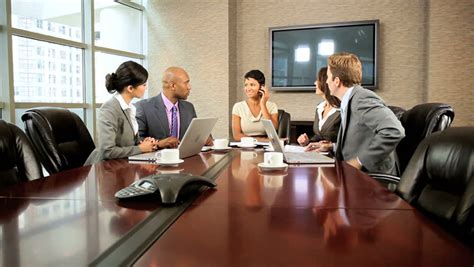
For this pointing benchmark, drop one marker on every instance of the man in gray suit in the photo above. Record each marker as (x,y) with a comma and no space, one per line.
(155,115)
(369,131)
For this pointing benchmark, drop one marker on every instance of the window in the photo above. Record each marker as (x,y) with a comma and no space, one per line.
(51,55)
(104,64)
(23,68)
(59,16)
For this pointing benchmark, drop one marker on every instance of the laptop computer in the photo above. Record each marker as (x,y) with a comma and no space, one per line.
(293,157)
(193,140)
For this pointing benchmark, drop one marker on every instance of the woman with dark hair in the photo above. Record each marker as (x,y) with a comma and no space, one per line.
(118,127)
(246,115)
(328,117)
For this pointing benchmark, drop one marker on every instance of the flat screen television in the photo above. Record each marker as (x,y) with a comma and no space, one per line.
(298,52)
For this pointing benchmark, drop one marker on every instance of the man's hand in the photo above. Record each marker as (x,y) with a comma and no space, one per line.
(169,142)
(209,141)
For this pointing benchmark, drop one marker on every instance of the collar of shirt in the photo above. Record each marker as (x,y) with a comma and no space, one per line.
(124,105)
(345,99)
(168,104)
(132,111)
(320,109)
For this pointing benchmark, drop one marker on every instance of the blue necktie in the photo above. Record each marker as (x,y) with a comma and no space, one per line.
(174,122)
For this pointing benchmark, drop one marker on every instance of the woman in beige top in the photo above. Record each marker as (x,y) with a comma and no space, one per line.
(246,115)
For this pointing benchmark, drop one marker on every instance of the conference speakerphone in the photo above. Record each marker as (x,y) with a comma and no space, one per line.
(168,185)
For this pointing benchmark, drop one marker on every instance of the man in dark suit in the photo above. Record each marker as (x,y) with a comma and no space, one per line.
(167,116)
(369,131)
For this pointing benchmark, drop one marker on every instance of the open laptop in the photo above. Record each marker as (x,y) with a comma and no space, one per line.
(293,157)
(193,140)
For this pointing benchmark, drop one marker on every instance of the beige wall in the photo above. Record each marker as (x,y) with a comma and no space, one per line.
(423,46)
(193,35)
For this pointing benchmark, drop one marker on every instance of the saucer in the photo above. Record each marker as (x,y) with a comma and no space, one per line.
(169,163)
(265,167)
(246,146)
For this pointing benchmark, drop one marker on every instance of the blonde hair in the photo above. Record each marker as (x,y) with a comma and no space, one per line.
(347,67)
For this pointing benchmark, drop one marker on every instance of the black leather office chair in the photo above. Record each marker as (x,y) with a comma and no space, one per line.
(398,111)
(59,137)
(419,122)
(439,180)
(18,162)
(284,121)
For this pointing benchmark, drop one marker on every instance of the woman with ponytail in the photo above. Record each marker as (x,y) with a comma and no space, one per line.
(118,127)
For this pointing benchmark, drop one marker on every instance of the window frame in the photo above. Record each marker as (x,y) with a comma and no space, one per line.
(8,105)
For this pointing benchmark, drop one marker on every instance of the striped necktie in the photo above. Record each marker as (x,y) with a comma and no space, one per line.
(174,122)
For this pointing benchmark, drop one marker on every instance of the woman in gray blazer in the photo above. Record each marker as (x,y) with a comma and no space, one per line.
(328,117)
(118,127)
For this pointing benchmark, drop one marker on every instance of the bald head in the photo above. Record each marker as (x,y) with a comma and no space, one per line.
(176,84)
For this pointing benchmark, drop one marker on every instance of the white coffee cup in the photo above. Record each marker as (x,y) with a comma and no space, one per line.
(220,143)
(273,158)
(247,141)
(168,155)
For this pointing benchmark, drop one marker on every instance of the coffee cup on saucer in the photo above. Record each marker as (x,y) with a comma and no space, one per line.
(273,159)
(168,155)
(221,143)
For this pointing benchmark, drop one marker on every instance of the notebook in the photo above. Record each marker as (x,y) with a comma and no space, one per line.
(293,157)
(193,140)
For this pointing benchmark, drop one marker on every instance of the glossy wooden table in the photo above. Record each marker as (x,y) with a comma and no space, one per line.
(70,218)
(305,216)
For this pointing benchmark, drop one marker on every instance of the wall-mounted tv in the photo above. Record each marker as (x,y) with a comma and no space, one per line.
(297,53)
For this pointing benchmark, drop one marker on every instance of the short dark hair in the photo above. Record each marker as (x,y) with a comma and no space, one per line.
(257,75)
(128,73)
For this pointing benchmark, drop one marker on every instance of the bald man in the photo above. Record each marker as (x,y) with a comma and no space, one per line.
(167,116)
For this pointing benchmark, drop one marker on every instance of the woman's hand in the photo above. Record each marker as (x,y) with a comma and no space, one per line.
(321,146)
(303,140)
(148,145)
(265,96)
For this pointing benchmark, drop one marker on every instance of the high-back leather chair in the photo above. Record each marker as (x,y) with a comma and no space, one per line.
(18,162)
(398,111)
(284,121)
(439,180)
(59,137)
(419,122)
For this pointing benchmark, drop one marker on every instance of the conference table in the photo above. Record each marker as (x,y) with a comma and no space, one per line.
(305,215)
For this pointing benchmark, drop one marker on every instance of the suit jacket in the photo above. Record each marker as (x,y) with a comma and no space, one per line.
(152,119)
(116,137)
(329,130)
(369,131)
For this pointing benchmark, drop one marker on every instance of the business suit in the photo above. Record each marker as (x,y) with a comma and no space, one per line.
(329,130)
(369,131)
(116,135)
(153,121)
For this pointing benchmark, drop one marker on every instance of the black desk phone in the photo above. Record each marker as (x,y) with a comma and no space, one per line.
(168,185)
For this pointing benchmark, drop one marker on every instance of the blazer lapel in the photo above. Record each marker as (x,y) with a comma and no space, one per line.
(161,114)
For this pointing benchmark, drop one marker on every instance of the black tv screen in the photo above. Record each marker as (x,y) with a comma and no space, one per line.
(297,53)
